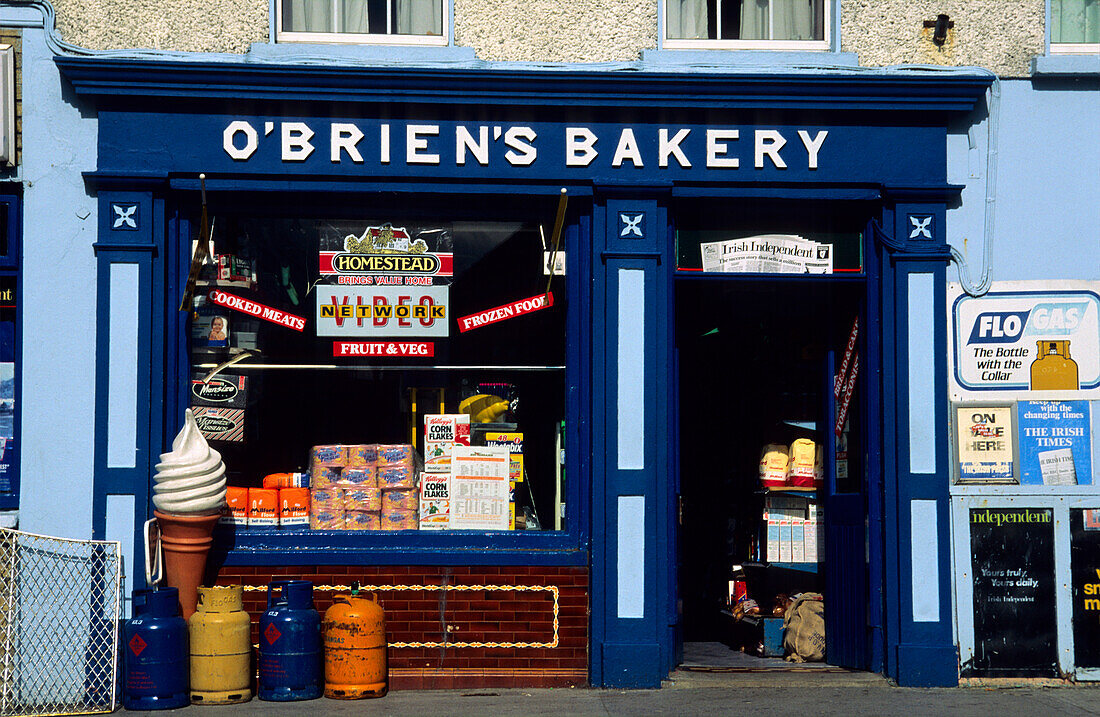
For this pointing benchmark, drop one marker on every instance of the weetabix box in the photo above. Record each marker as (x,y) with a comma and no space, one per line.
(785,540)
(442,432)
(435,501)
(811,541)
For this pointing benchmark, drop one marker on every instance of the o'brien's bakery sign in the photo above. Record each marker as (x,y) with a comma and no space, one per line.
(606,146)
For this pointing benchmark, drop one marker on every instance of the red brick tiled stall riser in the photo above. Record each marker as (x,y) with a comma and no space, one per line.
(498,621)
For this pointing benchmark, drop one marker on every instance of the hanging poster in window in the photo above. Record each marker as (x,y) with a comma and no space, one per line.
(1084,558)
(1055,442)
(1026,339)
(480,488)
(1012,557)
(984,444)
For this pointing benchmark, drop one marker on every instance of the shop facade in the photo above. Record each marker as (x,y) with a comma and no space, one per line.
(650,166)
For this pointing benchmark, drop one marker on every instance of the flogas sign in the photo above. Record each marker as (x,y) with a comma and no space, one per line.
(1031,339)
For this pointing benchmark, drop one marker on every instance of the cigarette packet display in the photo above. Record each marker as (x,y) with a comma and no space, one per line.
(321,476)
(327,499)
(361,520)
(435,501)
(331,456)
(362,456)
(326,520)
(263,507)
(236,506)
(400,475)
(294,507)
(357,477)
(363,499)
(399,499)
(389,455)
(286,480)
(398,520)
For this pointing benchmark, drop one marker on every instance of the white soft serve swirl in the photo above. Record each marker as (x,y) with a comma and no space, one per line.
(190,478)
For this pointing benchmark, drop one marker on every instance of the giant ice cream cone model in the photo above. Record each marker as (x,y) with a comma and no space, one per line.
(188,494)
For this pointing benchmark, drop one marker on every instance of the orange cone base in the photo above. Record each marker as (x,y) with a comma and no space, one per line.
(186,540)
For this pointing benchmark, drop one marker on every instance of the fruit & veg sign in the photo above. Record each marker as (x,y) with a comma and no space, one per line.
(1026,339)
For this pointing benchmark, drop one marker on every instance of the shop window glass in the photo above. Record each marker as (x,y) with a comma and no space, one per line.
(355,339)
(1075,25)
(362,21)
(778,24)
(9,353)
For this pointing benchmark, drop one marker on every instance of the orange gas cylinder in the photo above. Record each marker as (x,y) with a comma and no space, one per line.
(354,631)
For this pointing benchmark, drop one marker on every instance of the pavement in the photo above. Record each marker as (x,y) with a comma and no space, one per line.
(707,693)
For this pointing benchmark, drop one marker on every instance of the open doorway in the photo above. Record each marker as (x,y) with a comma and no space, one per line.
(757,362)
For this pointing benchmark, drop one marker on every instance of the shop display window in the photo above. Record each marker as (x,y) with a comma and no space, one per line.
(385,373)
(419,22)
(9,352)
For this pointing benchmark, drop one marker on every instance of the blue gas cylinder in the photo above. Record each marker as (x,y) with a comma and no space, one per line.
(156,667)
(290,644)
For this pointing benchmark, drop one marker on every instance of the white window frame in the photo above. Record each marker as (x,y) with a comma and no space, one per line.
(1066,48)
(790,45)
(352,38)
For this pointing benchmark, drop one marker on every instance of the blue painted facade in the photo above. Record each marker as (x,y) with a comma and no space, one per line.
(136,132)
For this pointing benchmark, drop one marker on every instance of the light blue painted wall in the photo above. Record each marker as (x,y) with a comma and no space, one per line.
(1047,223)
(59,300)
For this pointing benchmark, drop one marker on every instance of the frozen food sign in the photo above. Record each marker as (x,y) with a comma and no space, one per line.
(382,311)
(1031,339)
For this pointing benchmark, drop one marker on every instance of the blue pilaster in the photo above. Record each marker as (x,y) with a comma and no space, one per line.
(631,558)
(129,384)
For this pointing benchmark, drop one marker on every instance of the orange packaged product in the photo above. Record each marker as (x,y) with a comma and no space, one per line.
(293,507)
(286,480)
(263,507)
(236,506)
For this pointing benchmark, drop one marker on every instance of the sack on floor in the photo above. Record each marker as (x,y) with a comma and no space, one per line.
(804,640)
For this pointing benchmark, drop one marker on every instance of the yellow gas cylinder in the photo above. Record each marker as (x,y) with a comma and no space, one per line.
(354,630)
(1053,369)
(221,648)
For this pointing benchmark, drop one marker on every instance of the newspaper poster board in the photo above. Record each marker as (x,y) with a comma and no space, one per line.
(984,443)
(1025,340)
(1055,442)
(768,254)
(1012,559)
(480,488)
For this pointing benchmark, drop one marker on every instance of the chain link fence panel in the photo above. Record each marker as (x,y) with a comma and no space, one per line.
(60,614)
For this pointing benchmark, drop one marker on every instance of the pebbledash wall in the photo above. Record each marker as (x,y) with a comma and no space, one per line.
(1046,213)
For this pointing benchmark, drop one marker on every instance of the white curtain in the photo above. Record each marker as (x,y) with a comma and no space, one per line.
(1075,21)
(307,16)
(410,17)
(353,15)
(686,19)
(790,19)
(419,17)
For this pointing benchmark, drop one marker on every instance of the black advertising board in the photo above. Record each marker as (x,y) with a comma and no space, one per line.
(1084,559)
(1012,556)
